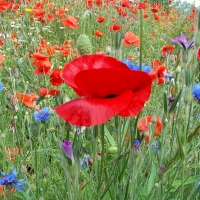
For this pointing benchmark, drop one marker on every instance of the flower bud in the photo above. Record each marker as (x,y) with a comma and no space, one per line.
(112,150)
(187,95)
(84,45)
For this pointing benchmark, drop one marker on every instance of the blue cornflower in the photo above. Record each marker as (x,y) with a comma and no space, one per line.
(136,67)
(42,115)
(86,161)
(196,91)
(1,86)
(9,180)
(136,145)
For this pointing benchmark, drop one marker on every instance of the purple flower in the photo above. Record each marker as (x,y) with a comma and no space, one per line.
(67,148)
(181,40)
(2,36)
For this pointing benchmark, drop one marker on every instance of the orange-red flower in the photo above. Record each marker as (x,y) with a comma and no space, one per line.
(115,27)
(42,63)
(98,33)
(70,22)
(156,17)
(198,56)
(142,5)
(130,39)
(125,3)
(145,15)
(168,49)
(55,77)
(100,19)
(45,91)
(155,64)
(27,99)
(158,74)
(148,123)
(1,60)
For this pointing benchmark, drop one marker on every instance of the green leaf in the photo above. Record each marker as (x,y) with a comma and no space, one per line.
(188,181)
(24,196)
(152,178)
(110,138)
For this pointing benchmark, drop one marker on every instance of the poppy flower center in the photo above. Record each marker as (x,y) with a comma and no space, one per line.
(111,96)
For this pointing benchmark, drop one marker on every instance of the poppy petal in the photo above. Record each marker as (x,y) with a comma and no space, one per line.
(139,98)
(102,83)
(92,111)
(86,62)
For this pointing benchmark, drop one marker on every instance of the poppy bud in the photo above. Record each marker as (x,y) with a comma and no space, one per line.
(84,45)
(188,95)
(112,150)
(178,70)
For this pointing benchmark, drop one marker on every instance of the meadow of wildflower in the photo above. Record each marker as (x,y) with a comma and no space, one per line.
(99,99)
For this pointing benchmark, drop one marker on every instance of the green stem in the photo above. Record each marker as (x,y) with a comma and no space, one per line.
(182,180)
(36,169)
(141,37)
(94,142)
(102,149)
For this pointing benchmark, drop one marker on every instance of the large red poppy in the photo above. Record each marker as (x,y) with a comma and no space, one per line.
(106,86)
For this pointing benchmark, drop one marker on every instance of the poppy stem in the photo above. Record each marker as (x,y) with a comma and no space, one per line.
(102,149)
(141,37)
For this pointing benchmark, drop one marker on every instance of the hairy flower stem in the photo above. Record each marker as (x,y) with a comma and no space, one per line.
(141,37)
(102,149)
(36,169)
(94,144)
(182,179)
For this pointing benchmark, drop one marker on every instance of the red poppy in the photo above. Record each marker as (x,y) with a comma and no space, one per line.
(55,77)
(98,33)
(1,42)
(49,17)
(27,99)
(1,60)
(154,10)
(156,17)
(115,27)
(106,86)
(70,22)
(168,49)
(98,2)
(142,5)
(130,39)
(42,69)
(145,15)
(158,74)
(198,56)
(89,3)
(156,63)
(125,3)
(145,124)
(45,91)
(100,19)
(39,56)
